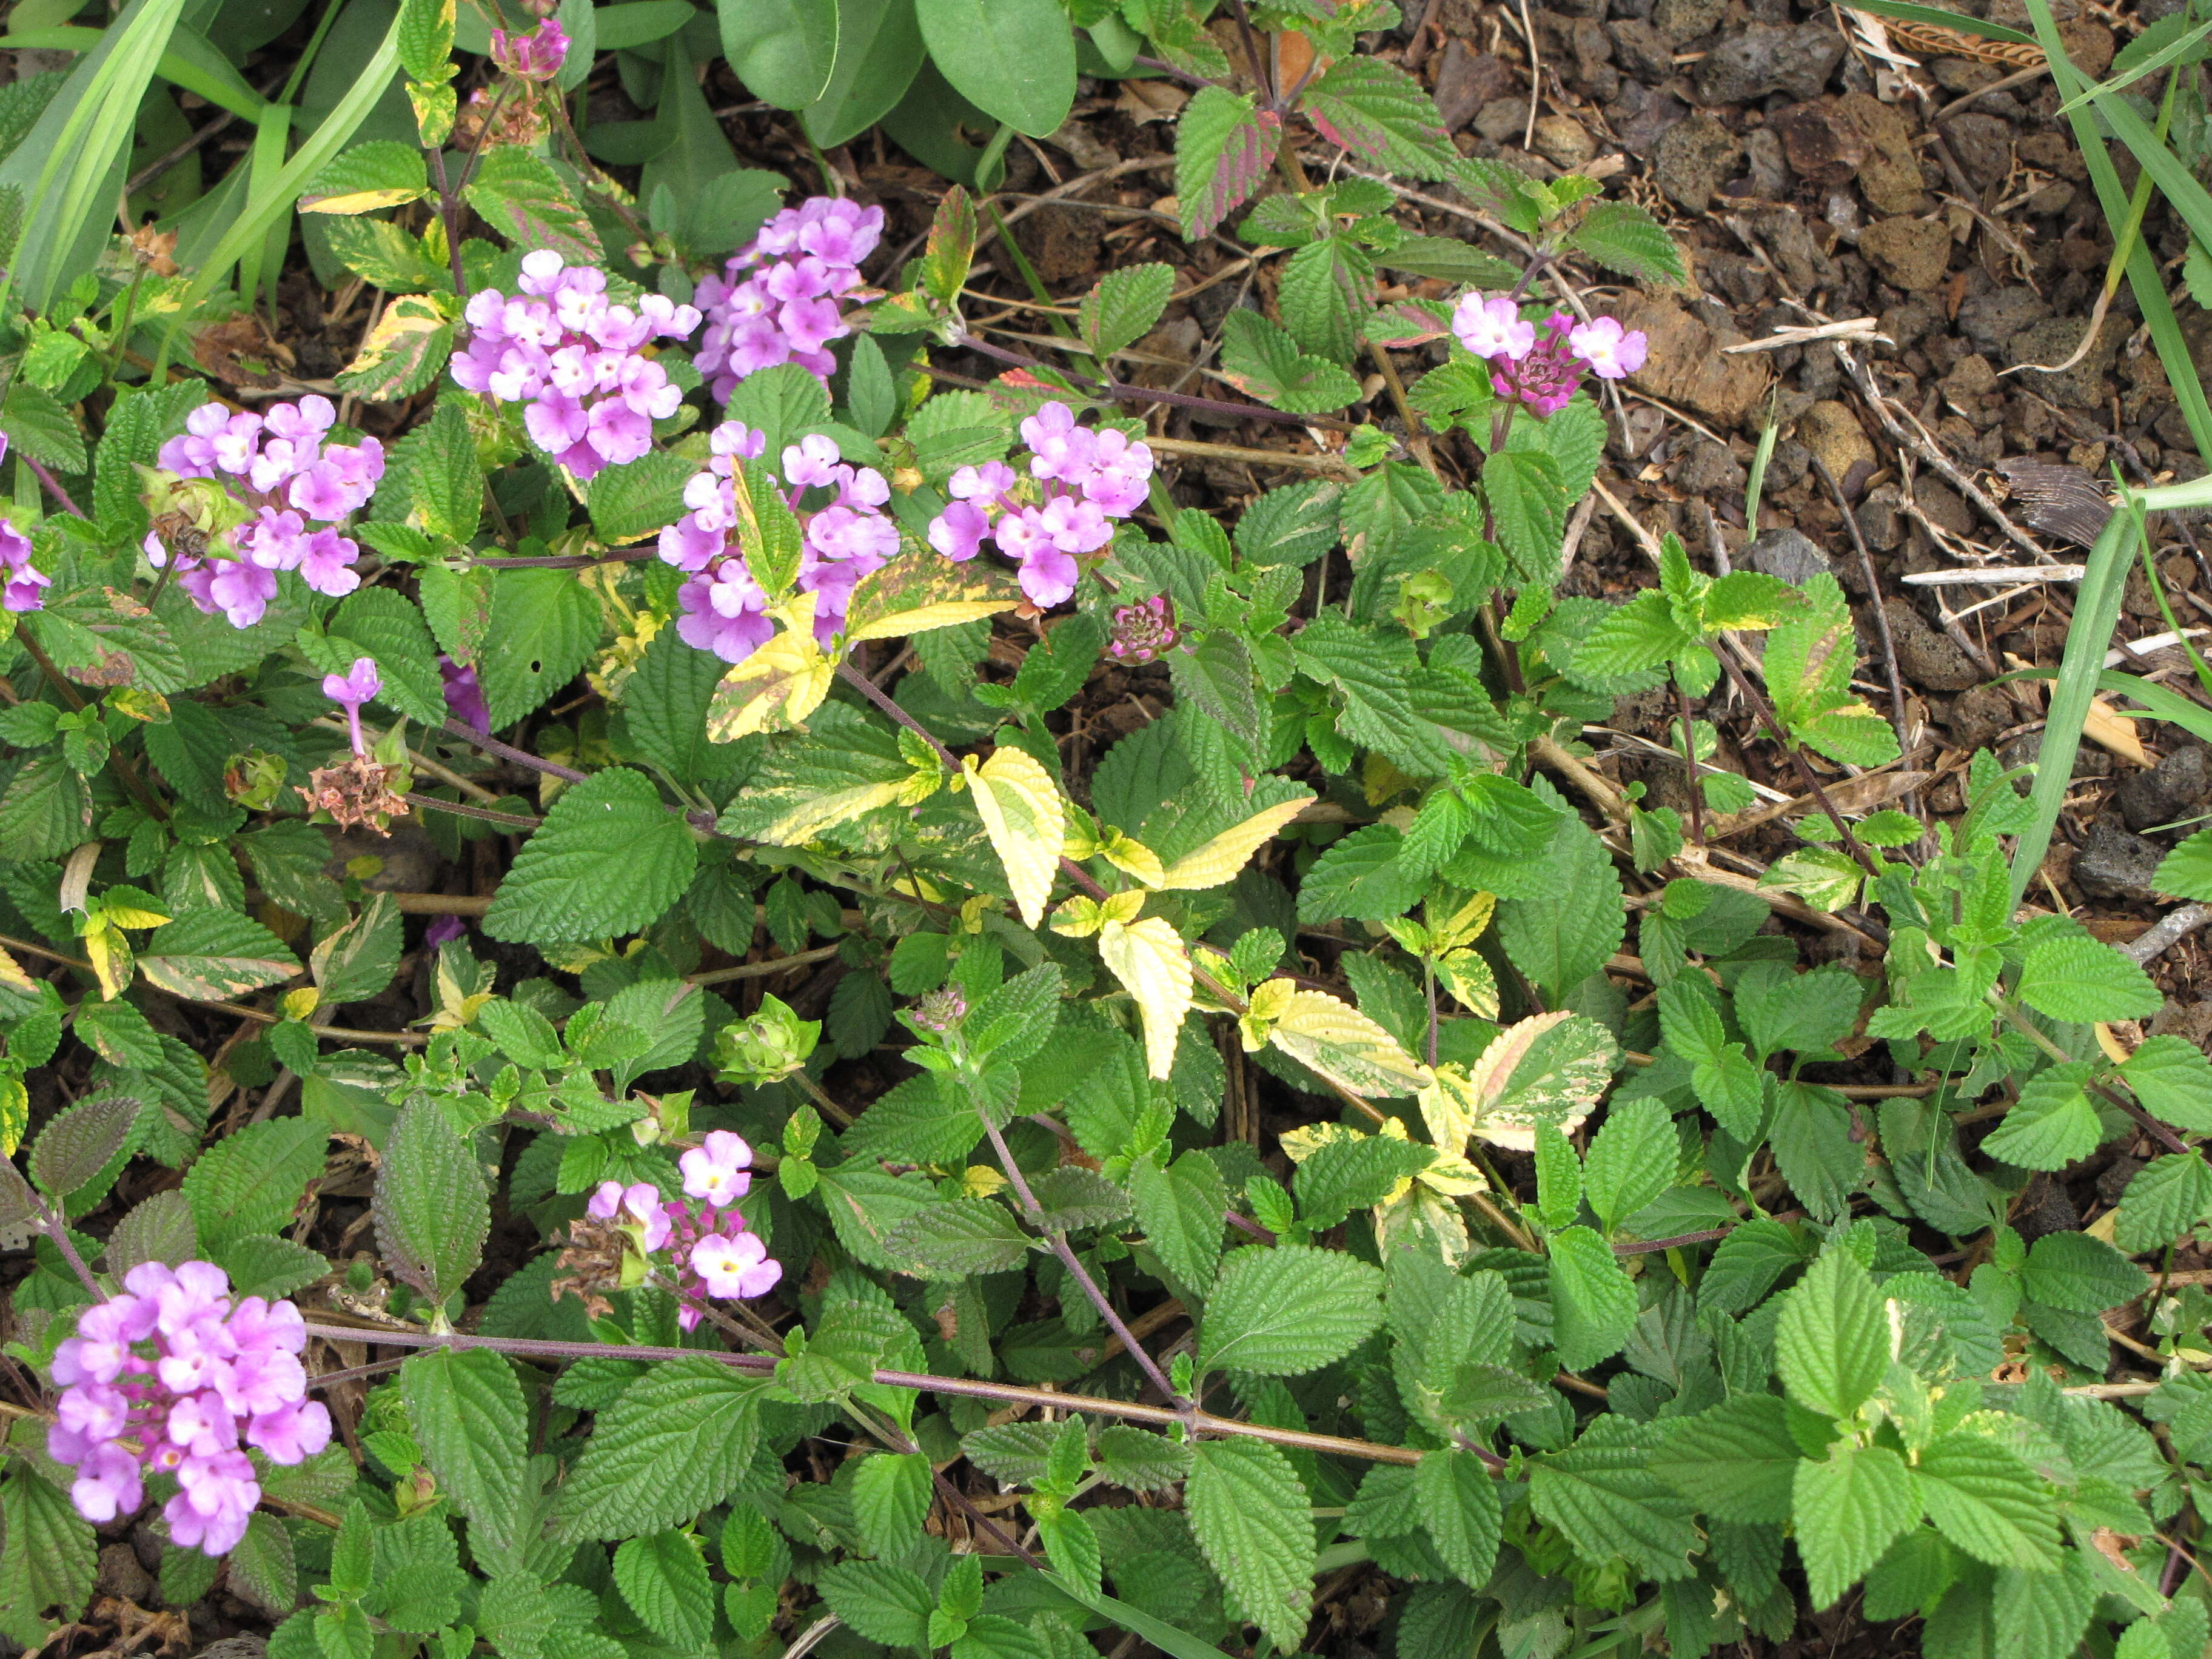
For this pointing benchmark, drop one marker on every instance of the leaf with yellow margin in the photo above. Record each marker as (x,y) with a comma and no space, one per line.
(1221,859)
(109,953)
(774,689)
(1147,957)
(921,590)
(1342,1044)
(1548,1068)
(1127,853)
(1468,978)
(818,813)
(1027,822)
(13,976)
(15,1115)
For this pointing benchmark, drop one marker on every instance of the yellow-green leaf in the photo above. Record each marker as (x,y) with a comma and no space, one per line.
(1147,957)
(1548,1068)
(775,690)
(921,591)
(1222,858)
(1027,822)
(1351,1050)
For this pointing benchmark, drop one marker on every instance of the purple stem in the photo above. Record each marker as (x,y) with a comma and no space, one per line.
(53,487)
(492,745)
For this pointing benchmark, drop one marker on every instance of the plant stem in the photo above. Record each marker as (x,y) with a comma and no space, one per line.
(53,486)
(56,1226)
(1690,760)
(1768,718)
(1205,1423)
(492,745)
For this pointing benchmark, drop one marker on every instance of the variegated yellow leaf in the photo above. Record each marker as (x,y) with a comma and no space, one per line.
(1221,859)
(1469,980)
(1423,1217)
(1126,853)
(359,201)
(1464,924)
(1147,957)
(15,1115)
(774,689)
(1269,1001)
(921,591)
(1342,1044)
(1027,822)
(811,817)
(13,976)
(1548,1068)
(1302,1143)
(109,953)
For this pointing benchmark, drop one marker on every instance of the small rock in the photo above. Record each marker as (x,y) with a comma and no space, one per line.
(1707,469)
(1991,319)
(1925,657)
(1501,119)
(1637,9)
(1683,20)
(1822,141)
(1910,253)
(1962,74)
(1790,554)
(1834,434)
(2043,1209)
(1641,117)
(2089,43)
(1466,80)
(2082,385)
(1793,58)
(1561,138)
(2113,864)
(1881,518)
(1788,463)
(1692,159)
(1770,169)
(1971,377)
(1889,168)
(1945,507)
(1685,365)
(1980,715)
(1983,144)
(1640,50)
(2172,789)
(121,1575)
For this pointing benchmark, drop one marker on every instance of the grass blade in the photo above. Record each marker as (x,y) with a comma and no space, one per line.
(2158,60)
(1938,17)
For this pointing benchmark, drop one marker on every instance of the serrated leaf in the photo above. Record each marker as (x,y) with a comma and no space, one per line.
(1593,1302)
(1457,1497)
(1181,1208)
(1249,1513)
(891,1496)
(1624,238)
(1225,146)
(610,858)
(1849,1507)
(251,1180)
(1284,1311)
(664,1578)
(523,199)
(2079,979)
(960,1237)
(1631,1160)
(1985,1500)
(676,1443)
(1123,305)
(776,689)
(1335,1039)
(918,593)
(2080,1273)
(2173,1078)
(213,955)
(1736,1462)
(1261,359)
(467,1415)
(1831,1344)
(1147,956)
(1027,822)
(433,1212)
(1223,858)
(2052,1124)
(1379,113)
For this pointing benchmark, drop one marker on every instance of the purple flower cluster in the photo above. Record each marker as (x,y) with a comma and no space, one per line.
(1542,371)
(278,465)
(777,298)
(577,361)
(352,688)
(845,537)
(1088,477)
(535,56)
(1143,632)
(175,1368)
(713,1252)
(20,583)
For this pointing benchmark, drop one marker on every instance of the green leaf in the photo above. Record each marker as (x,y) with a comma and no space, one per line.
(629,503)
(1223,149)
(677,1442)
(1831,1344)
(525,200)
(356,960)
(380,173)
(891,1496)
(2172,1078)
(46,810)
(50,1561)
(268,1268)
(1324,295)
(961,1237)
(1602,1497)
(1630,1161)
(1012,59)
(881,1601)
(1181,1209)
(82,1140)
(2079,979)
(1527,498)
(1379,113)
(2186,871)
(1284,1311)
(544,626)
(466,1411)
(213,955)
(2052,1124)
(1458,1502)
(1340,1177)
(425,40)
(784,50)
(663,1577)
(1259,358)
(1361,877)
(1624,238)
(1636,637)
(1985,1500)
(252,1180)
(1593,1302)
(2083,1274)
(2165,1199)
(433,1213)
(1848,1510)
(261,1568)
(1249,1513)
(1736,1462)
(1122,306)
(610,858)
(1808,674)
(1563,937)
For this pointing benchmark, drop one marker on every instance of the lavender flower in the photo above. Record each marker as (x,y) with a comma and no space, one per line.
(1088,477)
(711,1253)
(1540,367)
(277,467)
(442,931)
(574,360)
(174,1369)
(465,697)
(846,536)
(777,300)
(352,689)
(1143,631)
(20,584)
(716,1172)
(536,56)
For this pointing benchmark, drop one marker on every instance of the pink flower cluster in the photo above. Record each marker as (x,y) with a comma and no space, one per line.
(777,298)
(20,583)
(713,1253)
(277,465)
(1543,372)
(1088,477)
(724,609)
(175,1368)
(534,56)
(577,361)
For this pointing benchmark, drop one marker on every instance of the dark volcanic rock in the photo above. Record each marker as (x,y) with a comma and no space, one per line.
(2113,864)
(1693,158)
(1793,58)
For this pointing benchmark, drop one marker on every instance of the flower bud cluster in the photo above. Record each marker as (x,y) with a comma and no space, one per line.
(846,534)
(1084,479)
(1541,370)
(779,299)
(711,1249)
(576,361)
(170,1378)
(277,466)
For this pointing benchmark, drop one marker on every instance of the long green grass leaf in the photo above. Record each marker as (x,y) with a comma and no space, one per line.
(1938,17)
(2150,65)
(1138,1623)
(190,63)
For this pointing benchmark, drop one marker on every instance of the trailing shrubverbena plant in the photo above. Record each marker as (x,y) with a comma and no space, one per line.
(1692,1365)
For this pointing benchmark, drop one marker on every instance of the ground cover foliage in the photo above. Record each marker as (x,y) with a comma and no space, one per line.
(872,1163)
